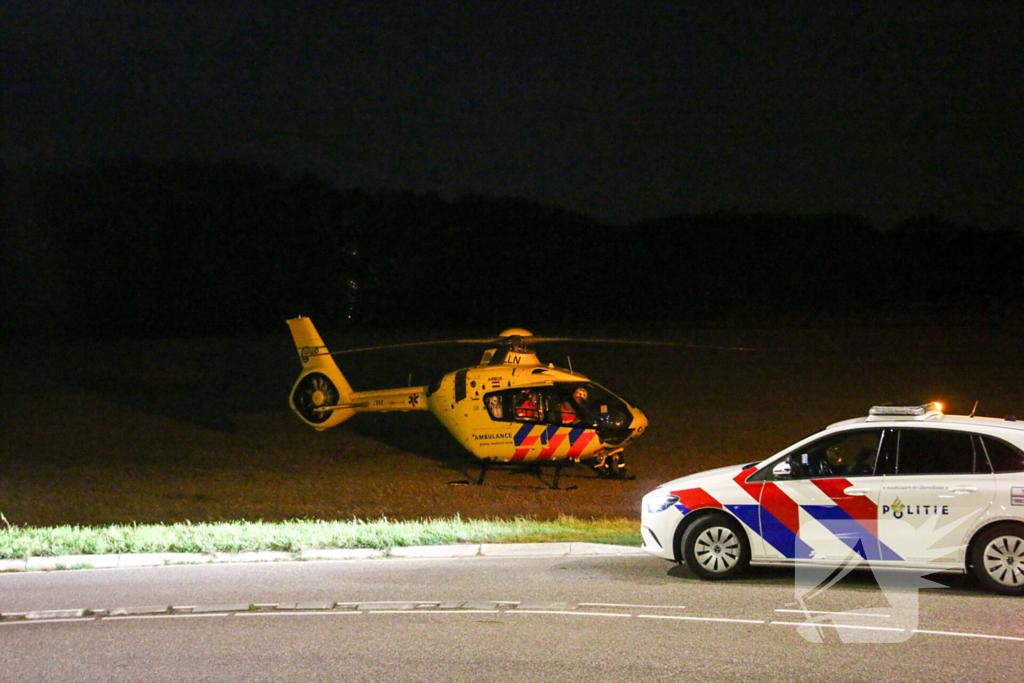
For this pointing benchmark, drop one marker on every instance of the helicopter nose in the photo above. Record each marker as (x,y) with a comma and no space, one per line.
(639,424)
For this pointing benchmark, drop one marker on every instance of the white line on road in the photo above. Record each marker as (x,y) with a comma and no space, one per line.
(615,604)
(433,611)
(579,614)
(822,625)
(292,613)
(433,607)
(968,635)
(760,622)
(851,614)
(139,617)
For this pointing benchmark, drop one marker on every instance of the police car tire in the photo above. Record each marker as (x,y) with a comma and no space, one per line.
(997,559)
(715,547)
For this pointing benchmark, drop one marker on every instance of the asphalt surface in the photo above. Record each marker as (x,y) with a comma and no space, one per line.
(550,612)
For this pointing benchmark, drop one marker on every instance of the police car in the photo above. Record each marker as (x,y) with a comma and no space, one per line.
(906,486)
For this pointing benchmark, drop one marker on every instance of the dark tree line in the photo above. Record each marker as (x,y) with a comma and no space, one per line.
(129,248)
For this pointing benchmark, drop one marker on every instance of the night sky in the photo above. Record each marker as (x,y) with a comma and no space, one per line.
(619,110)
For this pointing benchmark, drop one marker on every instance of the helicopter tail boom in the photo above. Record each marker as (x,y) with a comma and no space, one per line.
(321,394)
(390,400)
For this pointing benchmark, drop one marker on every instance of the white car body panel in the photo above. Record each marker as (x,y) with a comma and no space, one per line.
(922,521)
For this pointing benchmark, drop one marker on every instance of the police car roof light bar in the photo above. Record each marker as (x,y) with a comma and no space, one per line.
(917,411)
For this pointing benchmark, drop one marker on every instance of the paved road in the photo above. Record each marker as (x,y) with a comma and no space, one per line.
(559,617)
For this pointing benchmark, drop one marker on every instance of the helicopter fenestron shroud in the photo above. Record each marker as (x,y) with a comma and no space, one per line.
(509,408)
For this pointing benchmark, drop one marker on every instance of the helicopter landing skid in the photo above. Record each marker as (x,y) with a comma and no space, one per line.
(526,467)
(612,466)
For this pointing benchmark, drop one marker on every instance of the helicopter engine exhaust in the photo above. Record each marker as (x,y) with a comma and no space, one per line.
(321,388)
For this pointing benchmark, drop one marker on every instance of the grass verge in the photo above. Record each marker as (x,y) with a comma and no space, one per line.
(295,536)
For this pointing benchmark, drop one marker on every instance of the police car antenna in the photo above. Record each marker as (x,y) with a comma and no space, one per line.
(974,409)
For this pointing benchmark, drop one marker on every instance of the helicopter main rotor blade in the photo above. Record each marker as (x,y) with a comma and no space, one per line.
(407,345)
(639,342)
(532,340)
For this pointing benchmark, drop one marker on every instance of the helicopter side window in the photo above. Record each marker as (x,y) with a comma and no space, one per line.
(565,405)
(538,405)
(528,406)
(508,406)
(495,406)
(561,410)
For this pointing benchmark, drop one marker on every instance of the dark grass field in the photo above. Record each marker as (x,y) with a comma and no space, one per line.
(168,431)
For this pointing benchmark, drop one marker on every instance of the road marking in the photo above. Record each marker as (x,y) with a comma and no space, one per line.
(579,614)
(138,617)
(484,607)
(760,622)
(296,613)
(853,614)
(431,611)
(823,625)
(615,604)
(968,635)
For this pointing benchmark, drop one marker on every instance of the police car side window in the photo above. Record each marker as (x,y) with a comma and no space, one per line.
(854,455)
(1002,456)
(932,451)
(847,454)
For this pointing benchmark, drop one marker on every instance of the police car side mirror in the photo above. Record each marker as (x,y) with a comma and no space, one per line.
(783,470)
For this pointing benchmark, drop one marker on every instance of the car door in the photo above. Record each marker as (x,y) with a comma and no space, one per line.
(819,502)
(932,495)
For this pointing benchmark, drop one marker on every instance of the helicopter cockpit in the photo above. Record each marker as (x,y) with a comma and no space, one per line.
(567,404)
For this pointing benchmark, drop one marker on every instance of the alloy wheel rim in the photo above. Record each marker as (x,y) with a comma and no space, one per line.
(717,549)
(1004,560)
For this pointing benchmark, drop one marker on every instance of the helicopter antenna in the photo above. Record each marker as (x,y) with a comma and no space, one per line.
(569,361)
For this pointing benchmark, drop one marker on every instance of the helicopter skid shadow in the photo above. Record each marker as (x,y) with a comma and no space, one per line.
(417,434)
(516,487)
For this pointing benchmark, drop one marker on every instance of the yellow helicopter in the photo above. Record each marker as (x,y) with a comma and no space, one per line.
(510,408)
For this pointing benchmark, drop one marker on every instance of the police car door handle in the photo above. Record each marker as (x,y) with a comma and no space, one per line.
(963,489)
(857,490)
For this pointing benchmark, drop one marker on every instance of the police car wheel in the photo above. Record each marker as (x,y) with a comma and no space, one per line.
(997,559)
(715,547)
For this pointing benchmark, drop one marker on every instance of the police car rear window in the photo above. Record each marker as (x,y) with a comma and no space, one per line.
(927,451)
(1003,456)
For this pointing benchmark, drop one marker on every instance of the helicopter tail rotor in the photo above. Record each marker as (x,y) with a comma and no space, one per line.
(320,394)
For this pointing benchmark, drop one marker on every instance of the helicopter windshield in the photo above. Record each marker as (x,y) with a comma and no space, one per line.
(569,404)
